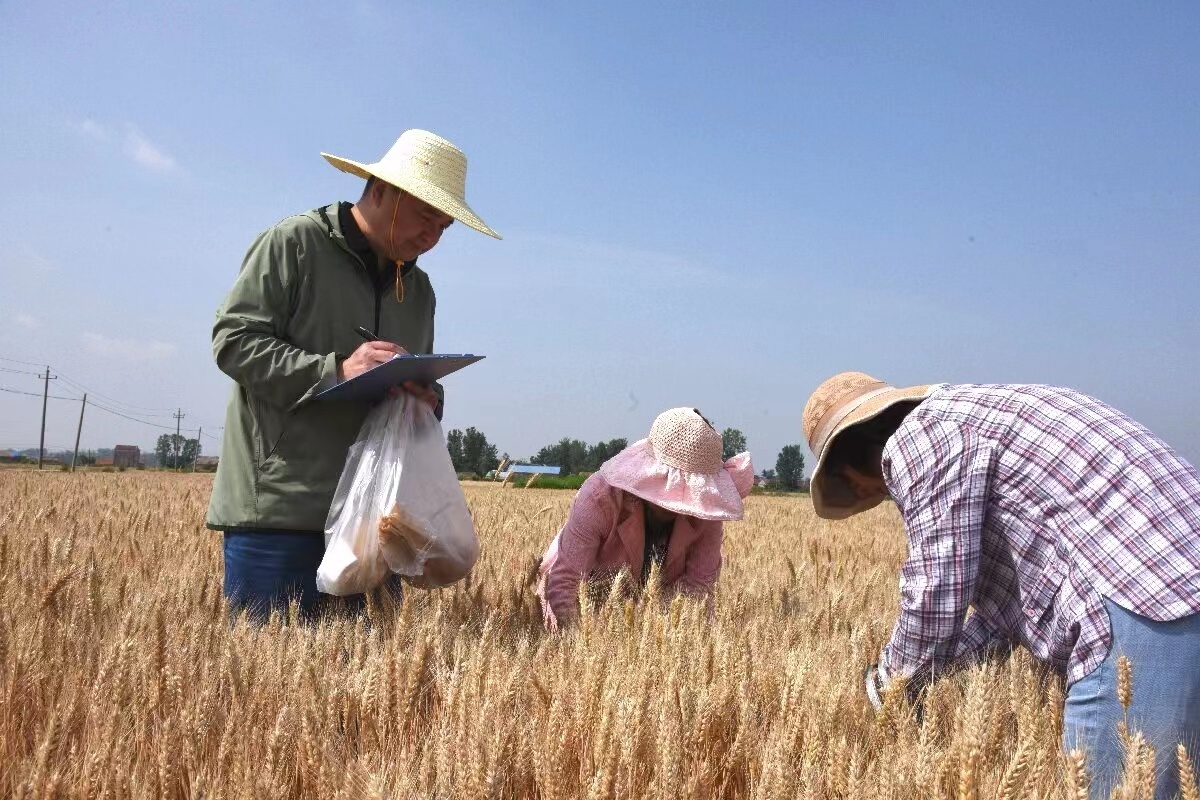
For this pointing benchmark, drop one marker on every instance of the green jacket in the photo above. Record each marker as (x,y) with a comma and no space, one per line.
(288,320)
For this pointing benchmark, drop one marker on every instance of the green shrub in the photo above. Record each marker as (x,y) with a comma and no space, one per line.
(468,476)
(551,481)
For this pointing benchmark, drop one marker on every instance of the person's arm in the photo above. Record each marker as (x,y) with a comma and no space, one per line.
(938,475)
(978,643)
(248,342)
(591,518)
(980,640)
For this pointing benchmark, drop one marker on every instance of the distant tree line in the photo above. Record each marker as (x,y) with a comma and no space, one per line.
(471,452)
(575,456)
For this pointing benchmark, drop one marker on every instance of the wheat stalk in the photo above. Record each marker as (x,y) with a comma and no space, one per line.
(138,685)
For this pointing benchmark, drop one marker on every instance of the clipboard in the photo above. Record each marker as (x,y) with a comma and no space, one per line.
(375,383)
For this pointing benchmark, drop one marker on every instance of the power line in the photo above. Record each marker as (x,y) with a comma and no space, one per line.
(142,421)
(111,411)
(94,405)
(132,419)
(145,411)
(30,446)
(19,361)
(36,394)
(133,408)
(114,406)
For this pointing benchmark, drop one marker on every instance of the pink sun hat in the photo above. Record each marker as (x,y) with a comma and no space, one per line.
(679,468)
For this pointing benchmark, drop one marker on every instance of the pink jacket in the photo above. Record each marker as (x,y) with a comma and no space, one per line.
(604,532)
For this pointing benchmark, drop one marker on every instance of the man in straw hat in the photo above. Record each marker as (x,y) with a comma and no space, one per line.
(287,331)
(661,501)
(1064,525)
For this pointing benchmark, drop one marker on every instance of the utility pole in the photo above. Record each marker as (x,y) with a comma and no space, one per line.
(78,431)
(196,457)
(178,448)
(45,395)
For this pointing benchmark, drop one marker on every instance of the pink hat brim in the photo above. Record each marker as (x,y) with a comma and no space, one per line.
(716,496)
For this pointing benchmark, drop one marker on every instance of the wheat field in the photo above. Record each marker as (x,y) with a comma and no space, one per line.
(121,676)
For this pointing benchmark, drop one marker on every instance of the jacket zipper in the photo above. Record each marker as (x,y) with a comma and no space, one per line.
(378,303)
(378,286)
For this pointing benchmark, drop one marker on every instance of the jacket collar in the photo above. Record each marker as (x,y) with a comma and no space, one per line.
(631,528)
(329,219)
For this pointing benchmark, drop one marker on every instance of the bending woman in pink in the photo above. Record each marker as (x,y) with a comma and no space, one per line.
(661,500)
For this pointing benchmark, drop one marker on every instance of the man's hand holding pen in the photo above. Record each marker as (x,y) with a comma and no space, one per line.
(368,355)
(375,351)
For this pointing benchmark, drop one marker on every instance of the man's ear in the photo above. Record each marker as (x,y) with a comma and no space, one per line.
(378,192)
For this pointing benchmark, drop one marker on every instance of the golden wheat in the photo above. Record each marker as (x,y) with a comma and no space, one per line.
(121,677)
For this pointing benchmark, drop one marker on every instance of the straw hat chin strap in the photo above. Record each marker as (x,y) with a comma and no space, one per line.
(392,245)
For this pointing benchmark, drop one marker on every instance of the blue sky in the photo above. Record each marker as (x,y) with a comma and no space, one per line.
(707,204)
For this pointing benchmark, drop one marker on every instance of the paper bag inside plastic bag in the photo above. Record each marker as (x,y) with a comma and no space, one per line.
(398,506)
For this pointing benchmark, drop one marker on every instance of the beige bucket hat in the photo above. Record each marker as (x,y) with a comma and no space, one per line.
(846,399)
(427,166)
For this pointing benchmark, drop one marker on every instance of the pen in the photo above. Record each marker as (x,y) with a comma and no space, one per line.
(366,334)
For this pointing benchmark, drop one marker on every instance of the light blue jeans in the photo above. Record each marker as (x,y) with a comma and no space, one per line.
(1165,657)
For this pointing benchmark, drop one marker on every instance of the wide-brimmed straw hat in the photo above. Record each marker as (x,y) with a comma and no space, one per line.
(845,400)
(427,166)
(679,468)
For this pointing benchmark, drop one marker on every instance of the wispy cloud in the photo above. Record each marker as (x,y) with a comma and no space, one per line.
(133,144)
(23,320)
(146,153)
(127,349)
(26,259)
(93,129)
(552,260)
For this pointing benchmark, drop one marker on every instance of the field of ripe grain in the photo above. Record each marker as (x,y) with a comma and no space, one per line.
(121,677)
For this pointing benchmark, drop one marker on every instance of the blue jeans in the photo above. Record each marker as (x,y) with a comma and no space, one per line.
(1165,657)
(266,569)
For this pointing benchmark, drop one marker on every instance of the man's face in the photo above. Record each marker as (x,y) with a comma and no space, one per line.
(865,487)
(407,225)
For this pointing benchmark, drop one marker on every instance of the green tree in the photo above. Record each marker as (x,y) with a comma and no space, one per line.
(454,443)
(569,454)
(768,476)
(600,452)
(191,451)
(790,466)
(478,455)
(733,442)
(175,451)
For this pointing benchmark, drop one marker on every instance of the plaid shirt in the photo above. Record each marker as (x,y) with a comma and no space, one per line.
(1030,504)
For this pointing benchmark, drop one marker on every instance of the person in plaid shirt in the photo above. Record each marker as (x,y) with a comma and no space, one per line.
(1036,516)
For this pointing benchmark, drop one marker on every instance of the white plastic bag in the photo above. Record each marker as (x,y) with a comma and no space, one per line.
(399,473)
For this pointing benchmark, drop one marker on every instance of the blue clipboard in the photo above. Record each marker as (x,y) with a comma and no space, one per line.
(375,383)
